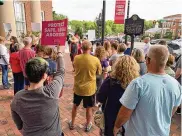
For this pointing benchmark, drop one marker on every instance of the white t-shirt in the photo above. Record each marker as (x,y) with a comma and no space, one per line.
(152,98)
(4,54)
(146,48)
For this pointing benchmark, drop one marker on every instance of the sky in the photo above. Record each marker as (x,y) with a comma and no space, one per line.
(89,9)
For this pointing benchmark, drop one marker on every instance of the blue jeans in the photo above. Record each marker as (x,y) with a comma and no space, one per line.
(4,74)
(18,82)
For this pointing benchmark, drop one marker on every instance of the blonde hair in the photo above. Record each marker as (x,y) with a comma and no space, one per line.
(86,45)
(138,54)
(107,45)
(121,48)
(170,60)
(125,70)
(100,52)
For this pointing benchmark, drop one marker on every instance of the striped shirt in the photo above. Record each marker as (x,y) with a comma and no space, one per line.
(25,55)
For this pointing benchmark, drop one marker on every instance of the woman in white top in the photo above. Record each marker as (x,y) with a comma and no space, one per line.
(4,62)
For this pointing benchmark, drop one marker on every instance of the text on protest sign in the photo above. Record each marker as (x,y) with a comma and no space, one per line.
(54,32)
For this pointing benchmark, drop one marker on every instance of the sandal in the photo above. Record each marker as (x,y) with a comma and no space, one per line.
(88,127)
(71,126)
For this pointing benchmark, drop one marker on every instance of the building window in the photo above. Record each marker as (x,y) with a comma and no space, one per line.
(42,15)
(20,18)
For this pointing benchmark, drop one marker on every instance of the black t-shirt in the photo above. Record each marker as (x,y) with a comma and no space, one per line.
(74,48)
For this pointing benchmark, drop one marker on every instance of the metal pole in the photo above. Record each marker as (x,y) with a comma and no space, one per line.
(132,43)
(128,12)
(103,20)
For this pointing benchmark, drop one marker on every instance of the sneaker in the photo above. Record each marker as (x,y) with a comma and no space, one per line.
(178,111)
(6,87)
(88,127)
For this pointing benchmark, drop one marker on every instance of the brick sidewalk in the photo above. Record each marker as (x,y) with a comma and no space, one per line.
(8,128)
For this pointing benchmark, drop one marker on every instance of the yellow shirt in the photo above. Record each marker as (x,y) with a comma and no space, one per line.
(86,67)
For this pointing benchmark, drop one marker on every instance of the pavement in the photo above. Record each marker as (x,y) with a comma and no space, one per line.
(8,128)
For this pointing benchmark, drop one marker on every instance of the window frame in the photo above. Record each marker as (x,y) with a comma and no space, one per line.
(22,21)
(43,15)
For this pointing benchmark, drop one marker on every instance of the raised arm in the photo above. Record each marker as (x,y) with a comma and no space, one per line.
(54,88)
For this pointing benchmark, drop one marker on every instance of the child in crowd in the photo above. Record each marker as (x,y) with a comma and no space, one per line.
(170,63)
(40,51)
(16,69)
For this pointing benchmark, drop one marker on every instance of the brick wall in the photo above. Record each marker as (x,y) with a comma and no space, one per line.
(46,6)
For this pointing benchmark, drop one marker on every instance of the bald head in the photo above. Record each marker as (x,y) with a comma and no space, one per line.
(159,54)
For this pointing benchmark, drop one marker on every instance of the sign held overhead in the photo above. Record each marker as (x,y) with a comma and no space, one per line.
(54,32)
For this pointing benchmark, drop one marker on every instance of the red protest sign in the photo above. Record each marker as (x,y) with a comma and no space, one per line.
(54,32)
(120,11)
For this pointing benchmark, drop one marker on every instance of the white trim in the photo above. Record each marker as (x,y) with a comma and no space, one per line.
(42,16)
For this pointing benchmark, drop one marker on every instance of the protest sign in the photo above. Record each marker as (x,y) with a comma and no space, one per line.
(36,27)
(7,27)
(91,35)
(120,11)
(54,32)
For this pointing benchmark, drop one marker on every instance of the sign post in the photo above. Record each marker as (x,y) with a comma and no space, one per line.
(134,26)
(103,20)
(54,32)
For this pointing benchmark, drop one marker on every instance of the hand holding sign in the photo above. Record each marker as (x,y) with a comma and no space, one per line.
(54,32)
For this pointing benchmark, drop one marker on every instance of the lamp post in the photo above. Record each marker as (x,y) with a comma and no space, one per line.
(103,20)
(128,13)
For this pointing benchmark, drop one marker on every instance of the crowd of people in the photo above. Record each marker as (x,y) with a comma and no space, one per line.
(138,94)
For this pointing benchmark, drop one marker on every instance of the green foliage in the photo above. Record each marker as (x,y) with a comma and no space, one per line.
(36,33)
(79,32)
(148,25)
(168,35)
(58,16)
(157,36)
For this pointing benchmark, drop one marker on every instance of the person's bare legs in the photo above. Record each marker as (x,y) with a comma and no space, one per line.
(74,112)
(88,115)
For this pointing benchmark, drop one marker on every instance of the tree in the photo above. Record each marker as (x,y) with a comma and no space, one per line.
(58,16)
(148,25)
(79,31)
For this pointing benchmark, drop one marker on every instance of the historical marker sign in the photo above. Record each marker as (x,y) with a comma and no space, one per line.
(134,25)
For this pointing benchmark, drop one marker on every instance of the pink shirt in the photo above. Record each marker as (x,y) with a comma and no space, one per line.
(25,55)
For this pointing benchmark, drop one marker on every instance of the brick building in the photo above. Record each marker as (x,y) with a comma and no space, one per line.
(21,13)
(174,23)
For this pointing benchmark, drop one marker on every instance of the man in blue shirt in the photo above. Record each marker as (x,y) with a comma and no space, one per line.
(150,101)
